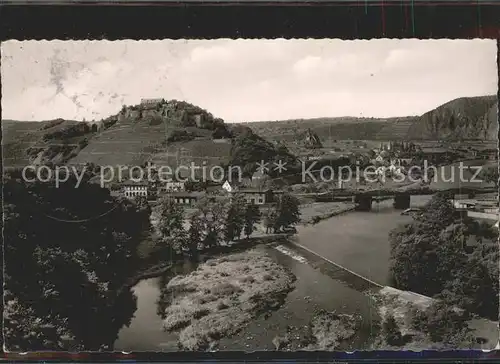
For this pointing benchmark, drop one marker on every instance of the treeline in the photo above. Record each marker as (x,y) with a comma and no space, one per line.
(52,123)
(449,258)
(70,131)
(218,220)
(68,254)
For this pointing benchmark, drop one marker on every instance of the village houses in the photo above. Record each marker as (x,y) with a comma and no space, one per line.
(257,196)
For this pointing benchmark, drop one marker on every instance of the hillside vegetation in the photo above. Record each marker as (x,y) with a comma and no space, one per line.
(166,133)
(55,141)
(460,119)
(175,132)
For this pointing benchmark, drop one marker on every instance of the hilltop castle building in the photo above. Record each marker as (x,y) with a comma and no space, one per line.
(150,102)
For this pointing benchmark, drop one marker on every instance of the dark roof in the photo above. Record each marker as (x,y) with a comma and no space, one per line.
(194,194)
(434,150)
(251,190)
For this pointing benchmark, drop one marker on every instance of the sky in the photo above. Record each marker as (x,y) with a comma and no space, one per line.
(244,80)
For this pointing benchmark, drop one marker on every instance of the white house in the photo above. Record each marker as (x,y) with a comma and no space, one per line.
(395,166)
(380,171)
(396,169)
(227,187)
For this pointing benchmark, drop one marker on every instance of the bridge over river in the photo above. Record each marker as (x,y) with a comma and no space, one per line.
(402,195)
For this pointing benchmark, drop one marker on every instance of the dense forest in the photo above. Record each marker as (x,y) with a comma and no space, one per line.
(68,252)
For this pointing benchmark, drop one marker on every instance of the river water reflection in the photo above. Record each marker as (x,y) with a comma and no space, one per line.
(313,290)
(359,240)
(356,240)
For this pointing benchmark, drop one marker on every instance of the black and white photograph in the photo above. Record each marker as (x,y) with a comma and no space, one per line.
(250,195)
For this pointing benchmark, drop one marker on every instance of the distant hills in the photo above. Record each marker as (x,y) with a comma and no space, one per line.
(176,132)
(463,118)
(460,119)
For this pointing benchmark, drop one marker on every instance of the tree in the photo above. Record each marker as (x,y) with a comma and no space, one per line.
(489,175)
(77,264)
(473,288)
(171,224)
(194,235)
(252,216)
(288,211)
(142,204)
(446,325)
(437,214)
(212,215)
(428,256)
(270,220)
(392,332)
(235,220)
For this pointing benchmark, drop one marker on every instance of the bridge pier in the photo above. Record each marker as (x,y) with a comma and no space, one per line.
(402,201)
(363,203)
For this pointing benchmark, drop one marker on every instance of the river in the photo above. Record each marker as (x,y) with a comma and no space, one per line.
(356,240)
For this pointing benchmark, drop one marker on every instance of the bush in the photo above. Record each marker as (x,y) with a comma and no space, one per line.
(225,289)
(444,323)
(248,279)
(83,143)
(267,277)
(222,306)
(52,123)
(418,319)
(180,136)
(155,121)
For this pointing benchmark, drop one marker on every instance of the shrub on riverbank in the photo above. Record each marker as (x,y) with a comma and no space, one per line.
(330,330)
(431,256)
(426,323)
(326,331)
(222,295)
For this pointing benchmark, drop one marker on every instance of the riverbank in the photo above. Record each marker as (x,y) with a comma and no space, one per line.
(157,259)
(222,295)
(315,212)
(404,306)
(327,331)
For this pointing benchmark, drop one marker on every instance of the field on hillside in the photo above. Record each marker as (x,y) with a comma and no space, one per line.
(134,143)
(11,130)
(19,136)
(327,129)
(199,152)
(124,143)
